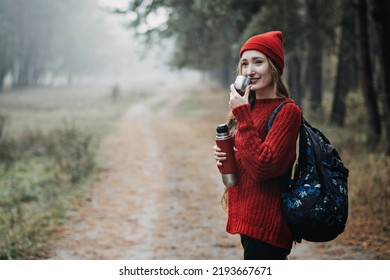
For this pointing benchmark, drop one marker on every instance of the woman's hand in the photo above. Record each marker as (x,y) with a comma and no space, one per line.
(237,99)
(219,155)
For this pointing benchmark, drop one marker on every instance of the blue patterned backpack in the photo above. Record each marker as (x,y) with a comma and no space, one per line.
(315,198)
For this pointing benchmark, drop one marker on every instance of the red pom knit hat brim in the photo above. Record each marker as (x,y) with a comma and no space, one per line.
(270,44)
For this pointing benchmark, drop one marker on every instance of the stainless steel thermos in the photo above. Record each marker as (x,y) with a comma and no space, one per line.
(228,169)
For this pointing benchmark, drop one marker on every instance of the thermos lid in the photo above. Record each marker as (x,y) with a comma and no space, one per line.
(222,128)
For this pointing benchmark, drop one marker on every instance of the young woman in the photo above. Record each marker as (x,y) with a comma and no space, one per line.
(253,204)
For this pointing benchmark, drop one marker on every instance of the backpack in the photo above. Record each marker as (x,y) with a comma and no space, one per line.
(315,199)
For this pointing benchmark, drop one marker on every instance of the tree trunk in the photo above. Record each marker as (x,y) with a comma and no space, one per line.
(373,120)
(295,78)
(315,83)
(2,77)
(315,45)
(345,59)
(380,13)
(23,75)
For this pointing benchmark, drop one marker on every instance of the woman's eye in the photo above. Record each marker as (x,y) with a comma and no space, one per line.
(258,62)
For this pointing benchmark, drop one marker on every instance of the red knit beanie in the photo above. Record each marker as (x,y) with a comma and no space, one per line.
(270,44)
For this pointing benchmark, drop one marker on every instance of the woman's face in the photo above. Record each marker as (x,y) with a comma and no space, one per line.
(255,65)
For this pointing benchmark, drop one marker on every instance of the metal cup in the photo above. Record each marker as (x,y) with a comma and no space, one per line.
(241,83)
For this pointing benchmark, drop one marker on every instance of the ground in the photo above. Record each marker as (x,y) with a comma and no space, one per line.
(159,195)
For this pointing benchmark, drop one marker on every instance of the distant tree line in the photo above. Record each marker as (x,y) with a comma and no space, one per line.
(41,40)
(338,46)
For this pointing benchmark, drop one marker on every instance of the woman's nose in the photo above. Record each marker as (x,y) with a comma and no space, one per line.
(250,70)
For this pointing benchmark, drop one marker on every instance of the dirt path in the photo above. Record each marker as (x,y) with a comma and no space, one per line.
(160,195)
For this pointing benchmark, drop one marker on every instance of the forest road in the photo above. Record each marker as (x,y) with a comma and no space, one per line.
(159,197)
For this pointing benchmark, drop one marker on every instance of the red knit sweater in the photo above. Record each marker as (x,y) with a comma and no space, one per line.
(254,203)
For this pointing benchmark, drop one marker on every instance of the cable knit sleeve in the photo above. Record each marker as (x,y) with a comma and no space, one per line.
(272,157)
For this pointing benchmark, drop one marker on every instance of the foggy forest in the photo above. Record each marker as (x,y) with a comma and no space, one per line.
(108,112)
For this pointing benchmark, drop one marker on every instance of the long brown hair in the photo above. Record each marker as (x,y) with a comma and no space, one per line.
(280,89)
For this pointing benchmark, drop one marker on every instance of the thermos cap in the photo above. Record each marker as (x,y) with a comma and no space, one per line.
(222,128)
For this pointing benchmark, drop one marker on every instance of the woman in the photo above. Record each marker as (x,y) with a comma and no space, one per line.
(253,205)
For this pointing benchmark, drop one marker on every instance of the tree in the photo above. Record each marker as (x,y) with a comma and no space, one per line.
(345,64)
(320,21)
(6,40)
(380,13)
(206,33)
(43,38)
(373,119)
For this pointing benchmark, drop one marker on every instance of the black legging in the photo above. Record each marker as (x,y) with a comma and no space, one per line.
(258,250)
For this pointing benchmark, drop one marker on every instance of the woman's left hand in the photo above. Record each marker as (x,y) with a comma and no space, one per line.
(237,99)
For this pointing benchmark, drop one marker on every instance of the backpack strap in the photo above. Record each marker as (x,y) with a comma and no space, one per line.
(286,179)
(273,115)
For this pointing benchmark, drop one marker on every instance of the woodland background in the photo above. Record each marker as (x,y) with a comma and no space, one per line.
(337,67)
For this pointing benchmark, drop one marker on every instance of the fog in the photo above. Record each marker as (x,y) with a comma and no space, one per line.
(78,42)
(133,61)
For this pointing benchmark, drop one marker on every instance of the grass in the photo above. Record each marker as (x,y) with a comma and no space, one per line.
(49,142)
(88,107)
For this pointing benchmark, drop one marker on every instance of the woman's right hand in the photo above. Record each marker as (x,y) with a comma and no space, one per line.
(237,99)
(219,155)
